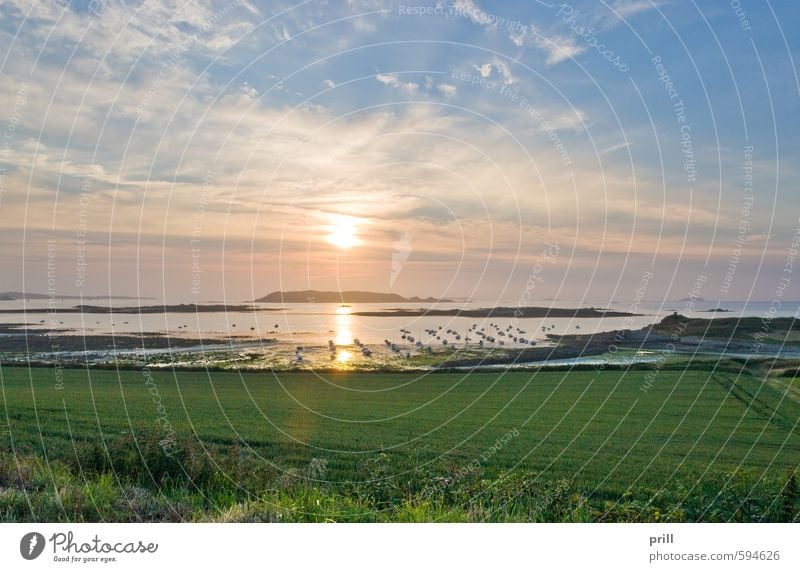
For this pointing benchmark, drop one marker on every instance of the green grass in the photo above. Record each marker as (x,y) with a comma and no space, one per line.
(580,445)
(776,330)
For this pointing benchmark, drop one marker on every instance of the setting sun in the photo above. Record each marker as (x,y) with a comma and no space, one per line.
(343,232)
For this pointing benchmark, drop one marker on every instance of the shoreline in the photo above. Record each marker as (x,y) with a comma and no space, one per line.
(674,337)
(501,312)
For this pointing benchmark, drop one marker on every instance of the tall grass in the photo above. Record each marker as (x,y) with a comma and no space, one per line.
(131,479)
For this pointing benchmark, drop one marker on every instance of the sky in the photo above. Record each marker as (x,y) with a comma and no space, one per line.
(536,151)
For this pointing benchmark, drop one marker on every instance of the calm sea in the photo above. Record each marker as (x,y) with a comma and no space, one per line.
(316,324)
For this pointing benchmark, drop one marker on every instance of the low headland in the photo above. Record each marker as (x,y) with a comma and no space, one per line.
(341,297)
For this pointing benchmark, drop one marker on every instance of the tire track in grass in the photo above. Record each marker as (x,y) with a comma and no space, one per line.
(754,403)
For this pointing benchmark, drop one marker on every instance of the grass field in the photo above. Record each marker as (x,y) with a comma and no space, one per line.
(587,446)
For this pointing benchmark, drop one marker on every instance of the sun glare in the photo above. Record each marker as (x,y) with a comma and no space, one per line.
(344,337)
(343,232)
(344,333)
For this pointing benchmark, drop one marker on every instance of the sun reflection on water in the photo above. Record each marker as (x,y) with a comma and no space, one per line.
(344,337)
(344,333)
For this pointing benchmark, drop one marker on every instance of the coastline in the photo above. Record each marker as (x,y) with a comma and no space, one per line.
(675,337)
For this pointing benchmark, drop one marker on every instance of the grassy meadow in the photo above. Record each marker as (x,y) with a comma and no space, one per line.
(105,445)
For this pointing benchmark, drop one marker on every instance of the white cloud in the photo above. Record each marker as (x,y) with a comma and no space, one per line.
(616,147)
(447,90)
(392,80)
(524,36)
(518,39)
(559,48)
(485,69)
(626,8)
(500,67)
(471,10)
(505,71)
(329,84)
(573,119)
(249,91)
(608,16)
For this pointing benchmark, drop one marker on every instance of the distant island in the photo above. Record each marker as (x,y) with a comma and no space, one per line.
(504,312)
(690,299)
(344,297)
(162,309)
(10,296)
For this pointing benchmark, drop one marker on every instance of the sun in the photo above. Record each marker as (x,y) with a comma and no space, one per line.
(343,232)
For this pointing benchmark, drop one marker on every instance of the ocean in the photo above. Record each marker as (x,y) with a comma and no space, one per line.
(317,324)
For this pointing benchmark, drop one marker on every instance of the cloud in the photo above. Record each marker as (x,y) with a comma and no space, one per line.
(447,90)
(471,10)
(387,78)
(500,67)
(573,119)
(626,8)
(606,17)
(518,39)
(284,34)
(559,48)
(392,80)
(490,22)
(484,69)
(616,147)
(148,131)
(522,36)
(124,32)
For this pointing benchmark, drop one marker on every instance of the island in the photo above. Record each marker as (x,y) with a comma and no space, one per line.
(161,309)
(342,297)
(12,296)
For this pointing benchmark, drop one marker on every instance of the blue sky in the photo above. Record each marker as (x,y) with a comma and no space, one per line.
(237,140)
